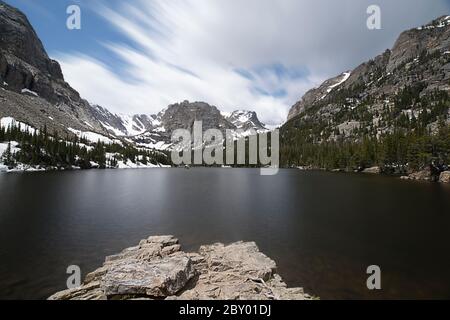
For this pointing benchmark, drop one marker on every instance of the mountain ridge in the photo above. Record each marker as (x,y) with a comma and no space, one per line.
(401,96)
(33,91)
(409,45)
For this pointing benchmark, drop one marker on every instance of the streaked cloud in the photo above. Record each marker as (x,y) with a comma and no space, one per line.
(260,55)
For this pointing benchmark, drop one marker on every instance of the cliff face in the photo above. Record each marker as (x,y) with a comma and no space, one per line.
(34,90)
(158,269)
(20,41)
(434,37)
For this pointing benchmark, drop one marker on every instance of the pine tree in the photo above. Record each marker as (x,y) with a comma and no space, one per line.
(7,156)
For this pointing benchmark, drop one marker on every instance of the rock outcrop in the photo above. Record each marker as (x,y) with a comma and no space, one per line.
(418,62)
(373,170)
(445,177)
(158,269)
(246,120)
(402,91)
(159,127)
(33,89)
(422,175)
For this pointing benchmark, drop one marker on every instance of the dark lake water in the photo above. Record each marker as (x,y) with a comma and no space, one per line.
(322,229)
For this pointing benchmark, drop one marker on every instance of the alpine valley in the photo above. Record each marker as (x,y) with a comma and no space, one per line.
(388,115)
(45,124)
(204,231)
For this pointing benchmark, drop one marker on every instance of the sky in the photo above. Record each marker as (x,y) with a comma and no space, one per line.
(139,56)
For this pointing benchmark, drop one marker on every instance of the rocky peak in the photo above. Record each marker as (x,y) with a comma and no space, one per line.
(24,63)
(433,37)
(397,90)
(183,115)
(34,88)
(317,94)
(19,39)
(245,120)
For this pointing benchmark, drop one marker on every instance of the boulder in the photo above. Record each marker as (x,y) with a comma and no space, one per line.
(157,269)
(238,272)
(445,177)
(423,175)
(158,278)
(372,170)
(89,291)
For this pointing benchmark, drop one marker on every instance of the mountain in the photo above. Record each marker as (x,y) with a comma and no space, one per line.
(402,94)
(34,92)
(246,120)
(33,86)
(155,131)
(419,56)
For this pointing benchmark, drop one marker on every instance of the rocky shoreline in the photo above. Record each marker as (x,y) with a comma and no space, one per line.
(427,174)
(157,269)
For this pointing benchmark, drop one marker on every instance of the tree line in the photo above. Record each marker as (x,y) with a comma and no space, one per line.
(39,148)
(394,152)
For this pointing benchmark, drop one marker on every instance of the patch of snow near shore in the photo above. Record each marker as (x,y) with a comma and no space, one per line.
(130,165)
(4,146)
(91,136)
(161,145)
(19,167)
(25,168)
(9,122)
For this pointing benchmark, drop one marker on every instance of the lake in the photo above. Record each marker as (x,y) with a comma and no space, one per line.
(322,229)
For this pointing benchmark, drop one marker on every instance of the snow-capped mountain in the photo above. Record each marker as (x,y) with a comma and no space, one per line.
(394,91)
(154,131)
(246,120)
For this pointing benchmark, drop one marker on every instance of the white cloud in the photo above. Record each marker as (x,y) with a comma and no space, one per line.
(191,49)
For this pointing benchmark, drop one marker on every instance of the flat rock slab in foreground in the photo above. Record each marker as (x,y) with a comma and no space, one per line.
(157,269)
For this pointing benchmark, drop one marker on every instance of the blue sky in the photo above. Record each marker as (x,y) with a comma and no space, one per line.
(138,56)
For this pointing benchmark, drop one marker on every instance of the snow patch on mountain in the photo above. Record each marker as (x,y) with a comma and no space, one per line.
(115,131)
(160,145)
(345,77)
(92,136)
(133,126)
(440,23)
(29,92)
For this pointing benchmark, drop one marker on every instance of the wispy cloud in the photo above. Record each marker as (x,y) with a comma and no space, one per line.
(252,54)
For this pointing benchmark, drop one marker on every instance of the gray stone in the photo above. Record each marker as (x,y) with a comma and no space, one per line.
(160,277)
(445,177)
(422,175)
(373,170)
(157,269)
